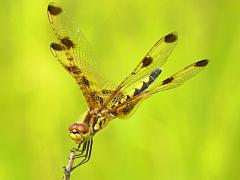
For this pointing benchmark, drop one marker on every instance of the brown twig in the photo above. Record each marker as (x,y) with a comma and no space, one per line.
(68,168)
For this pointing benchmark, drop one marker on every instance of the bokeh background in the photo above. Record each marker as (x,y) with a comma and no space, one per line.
(191,132)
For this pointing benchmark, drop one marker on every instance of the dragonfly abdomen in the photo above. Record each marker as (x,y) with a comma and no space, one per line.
(141,87)
(147,82)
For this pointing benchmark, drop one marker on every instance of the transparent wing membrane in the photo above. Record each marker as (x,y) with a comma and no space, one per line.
(155,58)
(73,52)
(123,109)
(180,77)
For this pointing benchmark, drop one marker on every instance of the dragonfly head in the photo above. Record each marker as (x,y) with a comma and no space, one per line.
(79,132)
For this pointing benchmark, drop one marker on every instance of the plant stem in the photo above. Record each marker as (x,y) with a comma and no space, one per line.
(68,168)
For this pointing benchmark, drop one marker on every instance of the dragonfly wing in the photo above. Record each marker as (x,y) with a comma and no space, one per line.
(179,78)
(125,109)
(126,106)
(154,59)
(73,53)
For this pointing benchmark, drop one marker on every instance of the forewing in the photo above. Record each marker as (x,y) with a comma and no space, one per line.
(154,59)
(73,53)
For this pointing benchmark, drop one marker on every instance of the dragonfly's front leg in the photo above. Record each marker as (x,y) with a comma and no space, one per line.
(81,148)
(86,156)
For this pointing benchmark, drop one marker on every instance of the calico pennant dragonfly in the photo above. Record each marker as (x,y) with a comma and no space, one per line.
(106,103)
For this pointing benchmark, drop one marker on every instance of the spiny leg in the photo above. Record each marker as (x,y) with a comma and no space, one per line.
(87,155)
(81,150)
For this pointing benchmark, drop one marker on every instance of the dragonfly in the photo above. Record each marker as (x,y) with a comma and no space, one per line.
(115,102)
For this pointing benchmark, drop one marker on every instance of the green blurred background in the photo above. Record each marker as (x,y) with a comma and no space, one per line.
(191,132)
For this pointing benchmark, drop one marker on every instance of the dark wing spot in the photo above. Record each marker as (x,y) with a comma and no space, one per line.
(67,42)
(115,113)
(170,38)
(73,69)
(146,61)
(96,96)
(53,10)
(168,80)
(85,81)
(106,91)
(126,110)
(117,98)
(201,63)
(56,47)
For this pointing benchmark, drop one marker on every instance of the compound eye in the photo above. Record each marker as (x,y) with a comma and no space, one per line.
(79,132)
(80,128)
(83,128)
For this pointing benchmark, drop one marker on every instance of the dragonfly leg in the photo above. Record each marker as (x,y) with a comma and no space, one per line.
(86,156)
(81,150)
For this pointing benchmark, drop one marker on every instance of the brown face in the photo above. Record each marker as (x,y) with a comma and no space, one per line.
(79,132)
